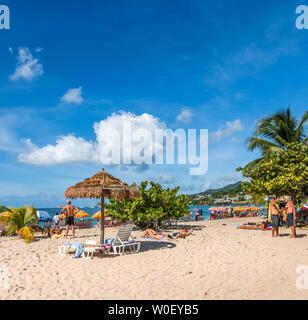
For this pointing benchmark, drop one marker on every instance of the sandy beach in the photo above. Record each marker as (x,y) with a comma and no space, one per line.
(216,262)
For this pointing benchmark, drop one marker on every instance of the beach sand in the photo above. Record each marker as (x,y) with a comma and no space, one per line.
(217,262)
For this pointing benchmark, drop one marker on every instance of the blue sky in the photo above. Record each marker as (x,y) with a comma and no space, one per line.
(216,65)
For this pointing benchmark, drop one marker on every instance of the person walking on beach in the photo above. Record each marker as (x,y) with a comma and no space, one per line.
(291,216)
(275,216)
(68,211)
(56,220)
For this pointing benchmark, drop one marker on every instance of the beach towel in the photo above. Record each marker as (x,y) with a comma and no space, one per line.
(78,246)
(150,239)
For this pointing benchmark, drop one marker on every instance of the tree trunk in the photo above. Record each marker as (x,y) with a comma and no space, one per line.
(102,237)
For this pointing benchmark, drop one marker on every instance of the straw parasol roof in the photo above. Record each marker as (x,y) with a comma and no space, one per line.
(102,184)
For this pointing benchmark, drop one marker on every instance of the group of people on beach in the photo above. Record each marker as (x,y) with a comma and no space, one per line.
(287,213)
(69,211)
(198,214)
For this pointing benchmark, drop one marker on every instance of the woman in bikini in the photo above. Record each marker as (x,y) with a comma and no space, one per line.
(150,233)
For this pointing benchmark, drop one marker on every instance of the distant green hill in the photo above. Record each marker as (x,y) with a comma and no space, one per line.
(231,188)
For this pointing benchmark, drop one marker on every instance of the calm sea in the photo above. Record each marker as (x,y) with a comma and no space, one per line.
(92,210)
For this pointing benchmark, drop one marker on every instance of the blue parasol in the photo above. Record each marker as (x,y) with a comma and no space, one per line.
(43,216)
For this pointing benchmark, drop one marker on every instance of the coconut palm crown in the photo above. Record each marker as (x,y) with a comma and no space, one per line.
(272,134)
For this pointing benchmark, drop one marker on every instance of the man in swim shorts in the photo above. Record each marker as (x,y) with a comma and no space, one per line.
(291,216)
(69,211)
(275,216)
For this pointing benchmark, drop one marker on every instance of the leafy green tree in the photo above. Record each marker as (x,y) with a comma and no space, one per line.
(273,134)
(284,173)
(20,221)
(154,204)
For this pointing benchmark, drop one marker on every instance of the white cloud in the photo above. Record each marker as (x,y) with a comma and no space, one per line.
(73,96)
(185,116)
(28,68)
(164,179)
(227,130)
(39,49)
(250,59)
(69,149)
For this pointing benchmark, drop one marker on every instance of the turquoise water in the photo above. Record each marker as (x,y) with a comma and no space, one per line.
(91,211)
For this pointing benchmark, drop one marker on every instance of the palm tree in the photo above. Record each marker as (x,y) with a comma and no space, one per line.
(20,221)
(274,133)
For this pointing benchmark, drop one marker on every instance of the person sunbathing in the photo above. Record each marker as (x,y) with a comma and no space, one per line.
(183,234)
(55,231)
(150,233)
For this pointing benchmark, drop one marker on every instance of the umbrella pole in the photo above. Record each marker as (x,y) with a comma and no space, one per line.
(102,221)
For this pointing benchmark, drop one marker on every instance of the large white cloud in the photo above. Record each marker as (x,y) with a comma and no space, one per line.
(73,96)
(133,130)
(28,67)
(67,149)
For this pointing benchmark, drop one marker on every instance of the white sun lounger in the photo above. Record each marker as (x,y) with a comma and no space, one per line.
(122,240)
(87,252)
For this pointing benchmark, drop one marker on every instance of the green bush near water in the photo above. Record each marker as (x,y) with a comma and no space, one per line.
(155,204)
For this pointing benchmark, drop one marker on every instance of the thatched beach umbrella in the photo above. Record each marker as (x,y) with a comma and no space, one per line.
(102,185)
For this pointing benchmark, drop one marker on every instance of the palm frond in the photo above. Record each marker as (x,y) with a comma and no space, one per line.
(27,234)
(262,144)
(3,208)
(300,129)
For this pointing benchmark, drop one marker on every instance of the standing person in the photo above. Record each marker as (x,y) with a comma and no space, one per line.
(224,210)
(56,220)
(196,212)
(200,215)
(69,210)
(291,216)
(274,216)
(197,215)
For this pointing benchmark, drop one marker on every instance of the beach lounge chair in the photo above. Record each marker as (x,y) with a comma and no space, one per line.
(47,227)
(122,240)
(89,248)
(62,223)
(80,224)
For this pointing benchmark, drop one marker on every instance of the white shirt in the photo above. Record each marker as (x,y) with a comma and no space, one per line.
(56,218)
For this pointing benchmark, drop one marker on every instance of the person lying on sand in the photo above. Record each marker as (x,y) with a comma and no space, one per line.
(55,231)
(150,233)
(183,234)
